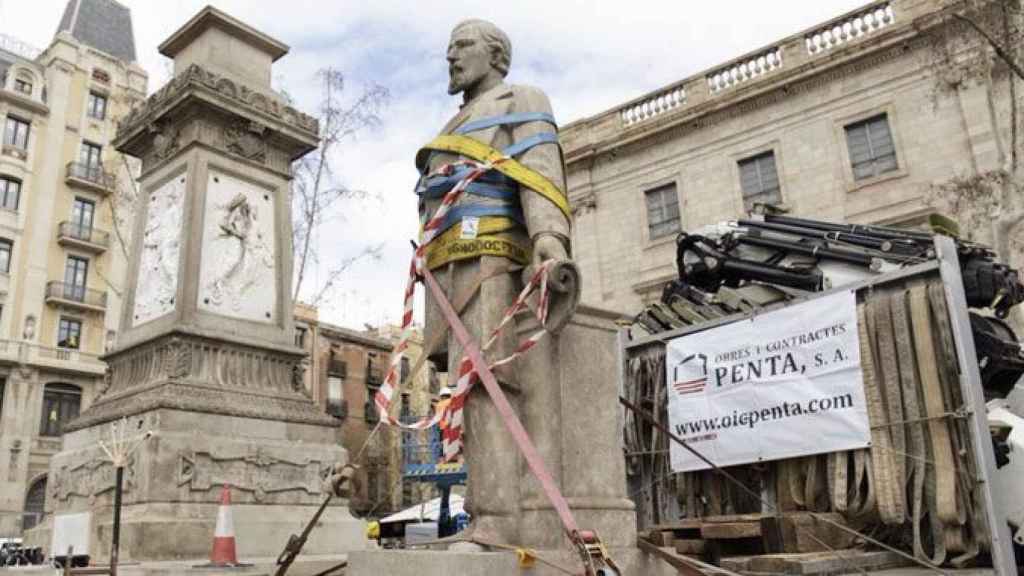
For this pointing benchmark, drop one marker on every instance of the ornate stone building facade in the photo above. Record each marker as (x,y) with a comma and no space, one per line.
(844,121)
(65,200)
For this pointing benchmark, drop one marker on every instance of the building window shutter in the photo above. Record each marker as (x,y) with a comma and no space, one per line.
(759,180)
(662,211)
(871,147)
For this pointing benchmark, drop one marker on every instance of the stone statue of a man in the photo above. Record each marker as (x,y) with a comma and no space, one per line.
(498,229)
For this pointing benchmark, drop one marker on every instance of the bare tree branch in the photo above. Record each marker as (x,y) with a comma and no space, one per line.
(335,274)
(317,191)
(114,203)
(113,288)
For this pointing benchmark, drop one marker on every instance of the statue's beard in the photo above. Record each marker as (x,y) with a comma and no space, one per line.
(456,82)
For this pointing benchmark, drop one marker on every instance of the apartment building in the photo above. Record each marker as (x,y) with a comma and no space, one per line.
(65,198)
(343,371)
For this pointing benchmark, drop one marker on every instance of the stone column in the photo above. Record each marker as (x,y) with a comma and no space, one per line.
(206,355)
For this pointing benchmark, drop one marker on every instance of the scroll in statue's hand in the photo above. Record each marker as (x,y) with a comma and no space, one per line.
(563,279)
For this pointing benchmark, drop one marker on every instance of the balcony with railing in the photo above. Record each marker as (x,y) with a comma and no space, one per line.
(84,237)
(90,176)
(54,357)
(75,296)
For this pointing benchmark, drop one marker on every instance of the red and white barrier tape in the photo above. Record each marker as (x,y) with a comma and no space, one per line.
(467,375)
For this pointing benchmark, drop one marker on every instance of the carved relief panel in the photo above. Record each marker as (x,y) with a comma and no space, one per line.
(161,250)
(258,472)
(238,274)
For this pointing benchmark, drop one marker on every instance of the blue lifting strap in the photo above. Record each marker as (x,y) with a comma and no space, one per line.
(475,189)
(527,143)
(492,184)
(516,118)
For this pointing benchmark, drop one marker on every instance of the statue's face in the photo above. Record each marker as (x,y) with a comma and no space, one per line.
(469,59)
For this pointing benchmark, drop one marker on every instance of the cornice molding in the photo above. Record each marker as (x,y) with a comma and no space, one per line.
(231,95)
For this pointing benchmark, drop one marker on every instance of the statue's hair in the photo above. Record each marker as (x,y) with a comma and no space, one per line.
(495,39)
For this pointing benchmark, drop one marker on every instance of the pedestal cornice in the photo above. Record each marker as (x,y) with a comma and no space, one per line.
(189,372)
(139,131)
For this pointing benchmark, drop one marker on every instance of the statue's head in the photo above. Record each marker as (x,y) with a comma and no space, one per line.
(478,50)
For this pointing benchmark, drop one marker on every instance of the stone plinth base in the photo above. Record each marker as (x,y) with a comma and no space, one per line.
(172,487)
(186,530)
(631,562)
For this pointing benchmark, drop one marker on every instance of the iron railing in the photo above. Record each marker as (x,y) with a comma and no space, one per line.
(76,293)
(92,173)
(84,233)
(29,351)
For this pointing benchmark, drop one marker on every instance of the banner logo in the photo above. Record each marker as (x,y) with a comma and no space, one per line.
(691,375)
(781,384)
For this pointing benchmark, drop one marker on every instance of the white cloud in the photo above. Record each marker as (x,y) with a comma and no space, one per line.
(588,55)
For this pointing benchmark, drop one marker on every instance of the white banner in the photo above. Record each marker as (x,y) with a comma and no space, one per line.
(781,384)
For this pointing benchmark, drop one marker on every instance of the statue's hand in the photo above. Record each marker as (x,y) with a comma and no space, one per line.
(563,279)
(548,247)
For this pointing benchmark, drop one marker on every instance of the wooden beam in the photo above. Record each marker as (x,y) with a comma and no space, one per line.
(730,530)
(685,566)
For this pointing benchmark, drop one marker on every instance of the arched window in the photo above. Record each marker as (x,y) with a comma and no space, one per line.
(10,193)
(23,83)
(61,403)
(35,502)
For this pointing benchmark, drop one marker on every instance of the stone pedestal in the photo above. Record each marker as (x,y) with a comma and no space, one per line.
(586,462)
(206,357)
(173,485)
(591,469)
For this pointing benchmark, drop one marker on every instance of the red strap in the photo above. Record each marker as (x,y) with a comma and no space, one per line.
(508,416)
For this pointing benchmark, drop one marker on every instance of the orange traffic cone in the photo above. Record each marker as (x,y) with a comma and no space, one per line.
(223,553)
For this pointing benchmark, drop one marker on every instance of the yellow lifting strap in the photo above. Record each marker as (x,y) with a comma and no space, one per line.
(493,239)
(477,150)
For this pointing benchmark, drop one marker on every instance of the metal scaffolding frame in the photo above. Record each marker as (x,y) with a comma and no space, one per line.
(947,266)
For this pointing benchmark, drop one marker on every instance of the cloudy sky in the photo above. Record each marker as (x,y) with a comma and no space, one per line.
(588,55)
